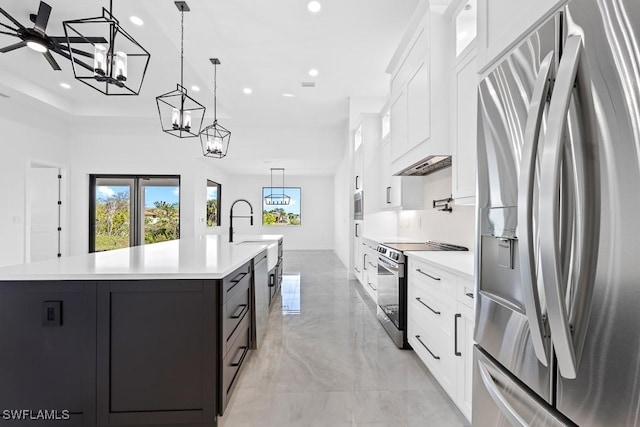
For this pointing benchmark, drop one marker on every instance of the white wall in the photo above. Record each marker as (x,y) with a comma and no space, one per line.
(26,136)
(139,148)
(457,227)
(342,210)
(317,216)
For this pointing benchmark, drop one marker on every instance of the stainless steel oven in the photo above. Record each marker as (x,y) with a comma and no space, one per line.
(392,300)
(392,285)
(357,205)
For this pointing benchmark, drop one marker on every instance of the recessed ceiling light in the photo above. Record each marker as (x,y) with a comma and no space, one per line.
(247,91)
(65,85)
(195,88)
(314,6)
(135,20)
(288,95)
(313,72)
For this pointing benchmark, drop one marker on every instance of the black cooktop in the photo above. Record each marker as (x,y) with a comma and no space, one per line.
(426,246)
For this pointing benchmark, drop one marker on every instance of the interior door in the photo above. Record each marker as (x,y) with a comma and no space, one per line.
(512,107)
(605,389)
(44,194)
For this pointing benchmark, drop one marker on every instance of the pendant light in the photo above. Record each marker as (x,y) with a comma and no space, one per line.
(280,199)
(215,138)
(180,115)
(116,63)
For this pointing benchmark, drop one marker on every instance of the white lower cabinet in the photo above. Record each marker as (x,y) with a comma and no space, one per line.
(440,327)
(370,268)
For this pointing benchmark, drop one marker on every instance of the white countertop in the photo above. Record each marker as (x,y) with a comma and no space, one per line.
(204,257)
(391,239)
(461,263)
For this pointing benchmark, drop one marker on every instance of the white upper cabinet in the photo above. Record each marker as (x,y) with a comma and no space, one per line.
(465,128)
(466,25)
(502,23)
(420,75)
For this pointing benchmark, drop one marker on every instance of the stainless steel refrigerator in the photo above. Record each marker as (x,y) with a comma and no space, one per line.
(558,306)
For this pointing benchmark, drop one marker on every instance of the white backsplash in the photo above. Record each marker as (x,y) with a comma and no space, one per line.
(457,227)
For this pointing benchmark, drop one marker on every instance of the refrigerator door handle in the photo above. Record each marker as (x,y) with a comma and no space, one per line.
(568,335)
(525,211)
(503,404)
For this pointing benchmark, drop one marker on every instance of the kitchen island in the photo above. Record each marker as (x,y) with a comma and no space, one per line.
(146,336)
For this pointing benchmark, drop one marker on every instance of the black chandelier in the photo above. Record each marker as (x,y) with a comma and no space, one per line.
(215,138)
(115,67)
(277,199)
(178,111)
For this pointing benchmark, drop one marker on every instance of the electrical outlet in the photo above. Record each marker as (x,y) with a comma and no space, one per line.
(52,313)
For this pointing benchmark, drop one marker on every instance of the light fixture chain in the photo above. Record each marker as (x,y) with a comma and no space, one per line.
(182,46)
(215,88)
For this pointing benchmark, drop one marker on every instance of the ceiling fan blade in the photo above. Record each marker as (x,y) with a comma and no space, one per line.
(9,34)
(42,19)
(75,60)
(13,47)
(10,18)
(9,28)
(51,61)
(76,51)
(79,39)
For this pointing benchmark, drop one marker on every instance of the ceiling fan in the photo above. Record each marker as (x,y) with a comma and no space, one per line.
(37,39)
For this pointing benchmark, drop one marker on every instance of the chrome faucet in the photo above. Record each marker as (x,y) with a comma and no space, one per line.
(231,217)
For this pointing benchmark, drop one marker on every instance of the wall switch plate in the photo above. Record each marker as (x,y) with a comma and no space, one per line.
(52,313)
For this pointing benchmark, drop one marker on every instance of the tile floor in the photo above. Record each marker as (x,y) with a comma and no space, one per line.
(326,361)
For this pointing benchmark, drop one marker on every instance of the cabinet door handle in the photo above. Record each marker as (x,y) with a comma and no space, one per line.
(388,194)
(455,334)
(428,275)
(357,235)
(239,314)
(424,345)
(357,182)
(272,280)
(423,303)
(372,265)
(358,270)
(469,294)
(364,262)
(371,286)
(244,353)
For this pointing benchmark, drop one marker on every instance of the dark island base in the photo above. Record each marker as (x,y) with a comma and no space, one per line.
(123,353)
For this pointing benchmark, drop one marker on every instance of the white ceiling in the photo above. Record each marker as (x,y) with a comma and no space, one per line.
(268,45)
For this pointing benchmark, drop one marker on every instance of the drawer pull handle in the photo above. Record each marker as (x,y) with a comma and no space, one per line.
(358,270)
(371,286)
(423,303)
(372,265)
(455,334)
(469,294)
(423,344)
(244,353)
(242,308)
(428,275)
(237,280)
(272,280)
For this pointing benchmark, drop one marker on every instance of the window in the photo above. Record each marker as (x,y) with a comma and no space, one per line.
(213,203)
(280,214)
(131,210)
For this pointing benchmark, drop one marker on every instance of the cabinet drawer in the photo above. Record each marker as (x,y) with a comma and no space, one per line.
(233,361)
(234,312)
(431,309)
(433,280)
(465,292)
(433,347)
(236,282)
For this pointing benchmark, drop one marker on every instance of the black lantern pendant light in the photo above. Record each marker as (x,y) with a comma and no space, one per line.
(180,115)
(215,138)
(280,199)
(116,66)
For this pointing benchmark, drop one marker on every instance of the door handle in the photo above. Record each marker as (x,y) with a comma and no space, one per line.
(388,194)
(357,235)
(568,328)
(455,334)
(525,210)
(503,404)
